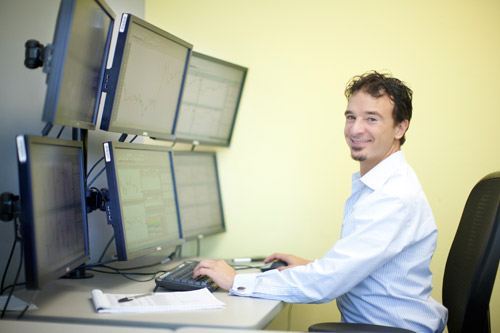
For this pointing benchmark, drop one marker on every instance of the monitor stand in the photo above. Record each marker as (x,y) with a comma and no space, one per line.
(78,273)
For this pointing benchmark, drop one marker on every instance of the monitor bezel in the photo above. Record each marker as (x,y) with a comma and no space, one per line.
(114,78)
(34,278)
(221,228)
(59,46)
(203,140)
(115,212)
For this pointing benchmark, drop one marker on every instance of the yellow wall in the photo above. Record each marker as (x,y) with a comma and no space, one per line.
(287,173)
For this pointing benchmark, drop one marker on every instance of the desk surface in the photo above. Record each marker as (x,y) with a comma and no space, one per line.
(22,326)
(70,301)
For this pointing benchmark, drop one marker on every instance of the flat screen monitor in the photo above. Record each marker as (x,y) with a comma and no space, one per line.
(53,215)
(145,82)
(143,204)
(77,62)
(199,195)
(210,102)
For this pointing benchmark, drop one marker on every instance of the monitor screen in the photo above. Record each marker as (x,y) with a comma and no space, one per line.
(198,191)
(143,204)
(53,216)
(210,101)
(78,60)
(145,82)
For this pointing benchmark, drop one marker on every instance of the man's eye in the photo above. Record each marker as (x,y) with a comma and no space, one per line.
(372,119)
(350,117)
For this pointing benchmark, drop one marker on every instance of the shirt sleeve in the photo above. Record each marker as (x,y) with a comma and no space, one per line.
(372,239)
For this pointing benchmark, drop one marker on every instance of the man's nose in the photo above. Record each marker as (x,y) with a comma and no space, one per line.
(357,126)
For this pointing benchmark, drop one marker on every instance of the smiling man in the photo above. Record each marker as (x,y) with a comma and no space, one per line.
(379,270)
(371,130)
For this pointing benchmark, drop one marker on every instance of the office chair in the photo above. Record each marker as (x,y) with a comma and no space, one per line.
(473,260)
(470,269)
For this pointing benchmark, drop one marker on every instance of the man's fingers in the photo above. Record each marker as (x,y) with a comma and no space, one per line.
(272,257)
(200,271)
(202,267)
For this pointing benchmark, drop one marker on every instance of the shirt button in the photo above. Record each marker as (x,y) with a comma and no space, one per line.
(241,288)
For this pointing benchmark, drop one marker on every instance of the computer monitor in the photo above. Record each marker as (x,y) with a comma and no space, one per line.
(143,204)
(199,196)
(145,83)
(77,62)
(210,101)
(53,216)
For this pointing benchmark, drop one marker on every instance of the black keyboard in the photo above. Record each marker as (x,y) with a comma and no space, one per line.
(180,278)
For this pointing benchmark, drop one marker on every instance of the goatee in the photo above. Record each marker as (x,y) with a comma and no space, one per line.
(359,158)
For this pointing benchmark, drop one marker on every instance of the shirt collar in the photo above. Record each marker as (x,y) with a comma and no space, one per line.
(378,175)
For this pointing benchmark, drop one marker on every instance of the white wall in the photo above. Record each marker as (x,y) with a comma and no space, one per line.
(287,173)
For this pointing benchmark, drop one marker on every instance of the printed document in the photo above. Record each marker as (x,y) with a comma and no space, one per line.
(156,302)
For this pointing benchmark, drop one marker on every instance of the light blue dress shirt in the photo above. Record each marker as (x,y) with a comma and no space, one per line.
(379,270)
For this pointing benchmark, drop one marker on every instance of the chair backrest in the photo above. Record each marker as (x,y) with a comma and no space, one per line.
(473,259)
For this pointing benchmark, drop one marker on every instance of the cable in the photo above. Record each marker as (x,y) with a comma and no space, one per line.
(130,268)
(133,139)
(60,132)
(15,279)
(104,265)
(96,176)
(4,276)
(93,166)
(13,286)
(26,308)
(120,271)
(106,248)
(126,275)
(99,264)
(24,311)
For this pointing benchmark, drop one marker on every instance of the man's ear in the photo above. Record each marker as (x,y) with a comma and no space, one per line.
(401,129)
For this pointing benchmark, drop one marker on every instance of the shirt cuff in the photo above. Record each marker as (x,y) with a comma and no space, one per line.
(244,284)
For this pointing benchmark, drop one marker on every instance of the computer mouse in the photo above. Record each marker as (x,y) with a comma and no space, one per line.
(273,265)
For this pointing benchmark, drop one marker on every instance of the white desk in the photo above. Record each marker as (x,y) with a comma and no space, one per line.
(222,330)
(22,326)
(68,301)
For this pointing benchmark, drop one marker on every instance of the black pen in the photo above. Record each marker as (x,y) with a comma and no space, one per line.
(131,298)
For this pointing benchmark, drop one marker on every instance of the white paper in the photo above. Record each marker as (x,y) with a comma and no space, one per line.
(158,302)
(100,300)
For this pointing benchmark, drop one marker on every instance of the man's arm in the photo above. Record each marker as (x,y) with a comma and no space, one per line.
(376,236)
(223,274)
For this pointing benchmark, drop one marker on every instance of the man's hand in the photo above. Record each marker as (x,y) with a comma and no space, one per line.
(290,259)
(217,270)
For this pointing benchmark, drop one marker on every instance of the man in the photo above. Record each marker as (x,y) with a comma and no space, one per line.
(379,270)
